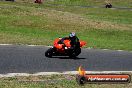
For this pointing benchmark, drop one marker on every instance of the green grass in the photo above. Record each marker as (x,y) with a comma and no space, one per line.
(53,81)
(29,23)
(126,3)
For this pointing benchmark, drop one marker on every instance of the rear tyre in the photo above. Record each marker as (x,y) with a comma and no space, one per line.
(78,51)
(75,53)
(72,55)
(49,52)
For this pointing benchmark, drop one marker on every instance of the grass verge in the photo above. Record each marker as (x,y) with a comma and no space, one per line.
(52,81)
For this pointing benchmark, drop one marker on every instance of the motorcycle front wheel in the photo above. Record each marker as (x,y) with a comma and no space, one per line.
(49,52)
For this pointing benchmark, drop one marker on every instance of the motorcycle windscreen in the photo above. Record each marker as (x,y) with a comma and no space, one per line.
(67,43)
(56,41)
(59,46)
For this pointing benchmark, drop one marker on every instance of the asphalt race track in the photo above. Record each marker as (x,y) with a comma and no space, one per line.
(31,59)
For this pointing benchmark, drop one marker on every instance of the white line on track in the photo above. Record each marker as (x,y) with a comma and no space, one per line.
(105,49)
(5,44)
(60,73)
(51,46)
(119,50)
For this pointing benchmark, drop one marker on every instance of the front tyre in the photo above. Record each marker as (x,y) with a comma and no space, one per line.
(49,52)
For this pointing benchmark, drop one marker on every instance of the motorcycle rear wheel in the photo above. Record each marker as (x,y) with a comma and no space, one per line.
(78,51)
(75,53)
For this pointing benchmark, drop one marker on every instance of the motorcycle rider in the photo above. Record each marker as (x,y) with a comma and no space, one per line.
(74,41)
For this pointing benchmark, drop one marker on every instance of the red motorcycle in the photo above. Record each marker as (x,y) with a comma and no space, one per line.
(64,49)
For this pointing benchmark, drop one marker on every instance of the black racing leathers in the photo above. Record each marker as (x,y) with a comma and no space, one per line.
(74,41)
